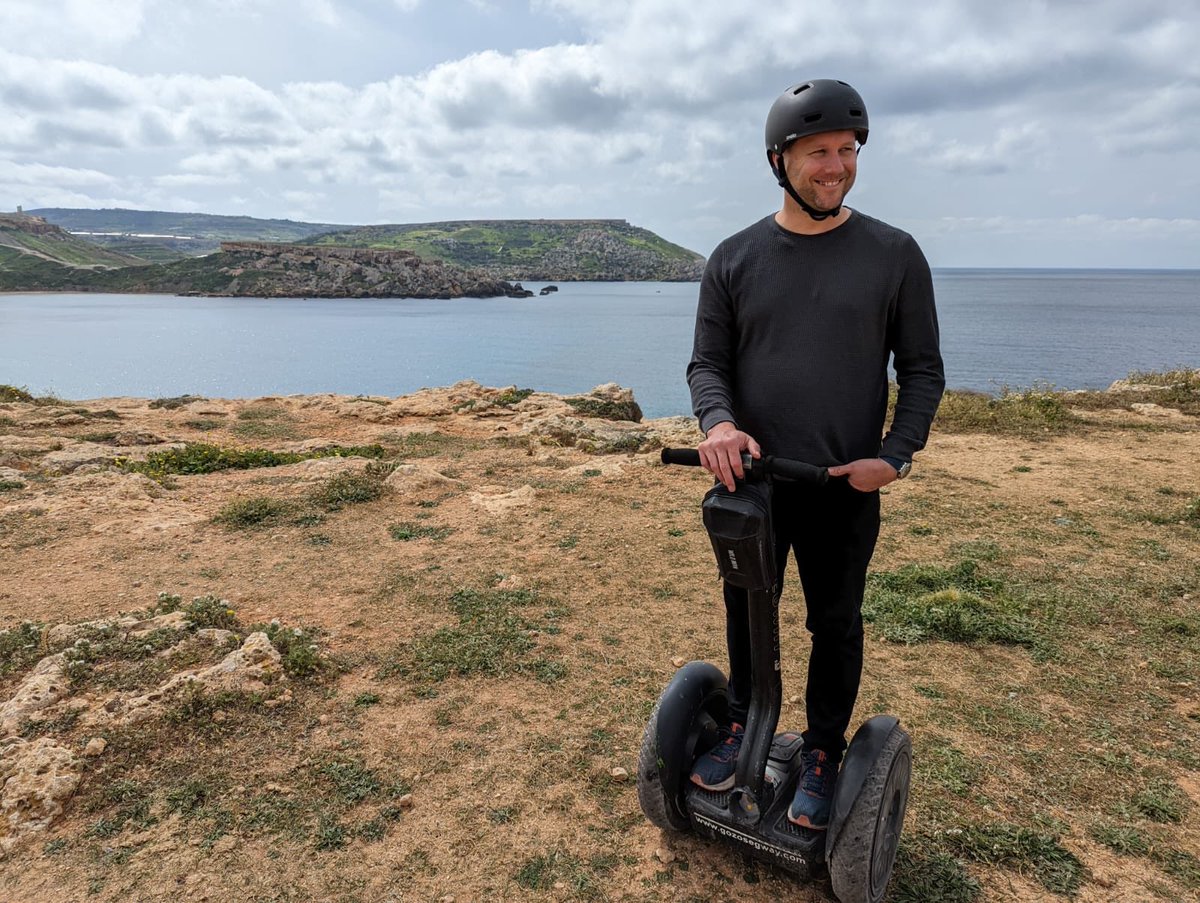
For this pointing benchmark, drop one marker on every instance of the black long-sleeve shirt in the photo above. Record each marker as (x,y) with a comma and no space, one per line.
(793,336)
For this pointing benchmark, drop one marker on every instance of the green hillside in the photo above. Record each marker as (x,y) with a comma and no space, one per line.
(557,250)
(34,237)
(158,223)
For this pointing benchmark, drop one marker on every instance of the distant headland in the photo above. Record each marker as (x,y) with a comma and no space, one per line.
(131,251)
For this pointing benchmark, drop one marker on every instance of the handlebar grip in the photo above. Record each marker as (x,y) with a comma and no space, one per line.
(686,456)
(796,470)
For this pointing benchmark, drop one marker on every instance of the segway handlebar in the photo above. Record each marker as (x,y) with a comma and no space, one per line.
(787,468)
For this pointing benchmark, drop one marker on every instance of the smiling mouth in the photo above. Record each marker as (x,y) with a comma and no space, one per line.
(832,184)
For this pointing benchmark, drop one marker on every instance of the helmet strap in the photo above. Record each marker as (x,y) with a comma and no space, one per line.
(786,184)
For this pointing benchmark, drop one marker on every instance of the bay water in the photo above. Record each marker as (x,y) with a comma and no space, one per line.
(1000,328)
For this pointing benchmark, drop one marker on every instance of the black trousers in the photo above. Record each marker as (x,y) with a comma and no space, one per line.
(831,530)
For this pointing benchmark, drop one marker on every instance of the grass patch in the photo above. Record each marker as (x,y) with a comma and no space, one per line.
(1029,413)
(408,530)
(350,780)
(174,402)
(1162,802)
(261,412)
(493,637)
(202,457)
(422,445)
(20,647)
(1122,839)
(544,870)
(1056,868)
(259,429)
(253,511)
(925,876)
(351,487)
(920,602)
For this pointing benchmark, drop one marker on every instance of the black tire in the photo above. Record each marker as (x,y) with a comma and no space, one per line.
(656,801)
(860,866)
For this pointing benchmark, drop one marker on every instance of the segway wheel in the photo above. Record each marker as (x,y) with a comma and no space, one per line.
(657,802)
(861,863)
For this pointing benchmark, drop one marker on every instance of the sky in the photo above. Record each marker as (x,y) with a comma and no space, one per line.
(1059,133)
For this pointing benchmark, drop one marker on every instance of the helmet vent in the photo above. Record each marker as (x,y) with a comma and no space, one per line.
(856,113)
(801,88)
(812,117)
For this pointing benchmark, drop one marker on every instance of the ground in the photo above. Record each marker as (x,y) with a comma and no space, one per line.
(477,597)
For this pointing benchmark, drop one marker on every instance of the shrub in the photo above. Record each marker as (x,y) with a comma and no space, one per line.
(254,511)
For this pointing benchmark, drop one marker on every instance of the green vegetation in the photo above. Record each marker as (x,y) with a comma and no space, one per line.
(522,249)
(921,602)
(351,487)
(1031,413)
(409,530)
(178,401)
(12,393)
(200,457)
(208,228)
(25,236)
(20,647)
(924,875)
(1056,868)
(254,511)
(605,408)
(493,638)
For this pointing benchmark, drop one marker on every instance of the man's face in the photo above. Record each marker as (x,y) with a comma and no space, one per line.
(822,167)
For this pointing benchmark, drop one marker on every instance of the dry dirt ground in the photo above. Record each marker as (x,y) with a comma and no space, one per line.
(494,627)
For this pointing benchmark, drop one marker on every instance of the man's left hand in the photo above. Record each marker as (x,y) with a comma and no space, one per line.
(866,474)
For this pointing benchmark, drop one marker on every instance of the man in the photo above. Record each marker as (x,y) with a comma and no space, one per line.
(798,316)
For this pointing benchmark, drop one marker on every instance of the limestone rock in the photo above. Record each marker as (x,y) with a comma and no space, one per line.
(503,502)
(113,486)
(95,747)
(249,668)
(409,478)
(36,779)
(136,437)
(1149,409)
(74,456)
(11,475)
(597,437)
(608,402)
(174,620)
(321,468)
(43,686)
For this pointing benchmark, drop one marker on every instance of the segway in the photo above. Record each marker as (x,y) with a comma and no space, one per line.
(858,849)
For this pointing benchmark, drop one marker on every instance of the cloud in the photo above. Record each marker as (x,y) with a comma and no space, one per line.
(656,106)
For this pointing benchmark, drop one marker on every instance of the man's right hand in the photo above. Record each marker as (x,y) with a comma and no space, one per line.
(721,452)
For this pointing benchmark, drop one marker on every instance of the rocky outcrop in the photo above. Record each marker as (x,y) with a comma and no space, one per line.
(36,779)
(266,270)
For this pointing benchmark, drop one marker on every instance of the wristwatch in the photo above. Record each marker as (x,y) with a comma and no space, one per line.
(902,468)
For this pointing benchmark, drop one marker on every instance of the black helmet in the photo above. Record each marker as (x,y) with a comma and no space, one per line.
(820,105)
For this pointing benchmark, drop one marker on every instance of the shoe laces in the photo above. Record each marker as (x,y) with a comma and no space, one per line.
(818,775)
(731,741)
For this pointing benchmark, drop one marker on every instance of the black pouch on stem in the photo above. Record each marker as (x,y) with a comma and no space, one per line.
(739,525)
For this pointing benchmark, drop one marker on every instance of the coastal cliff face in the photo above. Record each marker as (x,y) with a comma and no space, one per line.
(603,250)
(264,269)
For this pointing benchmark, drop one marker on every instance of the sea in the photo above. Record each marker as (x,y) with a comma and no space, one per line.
(1002,329)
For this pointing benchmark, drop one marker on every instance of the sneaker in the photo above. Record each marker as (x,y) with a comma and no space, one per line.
(814,794)
(714,770)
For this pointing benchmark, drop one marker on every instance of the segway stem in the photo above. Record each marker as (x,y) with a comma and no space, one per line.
(766,700)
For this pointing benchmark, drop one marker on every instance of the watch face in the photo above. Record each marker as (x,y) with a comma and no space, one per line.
(904,469)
